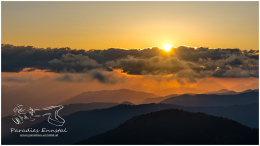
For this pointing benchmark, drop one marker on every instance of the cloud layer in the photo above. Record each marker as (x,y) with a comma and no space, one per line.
(181,62)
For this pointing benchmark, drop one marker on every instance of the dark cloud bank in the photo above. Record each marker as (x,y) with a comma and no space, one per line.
(186,62)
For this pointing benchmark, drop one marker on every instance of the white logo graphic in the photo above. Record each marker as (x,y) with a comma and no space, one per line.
(21,115)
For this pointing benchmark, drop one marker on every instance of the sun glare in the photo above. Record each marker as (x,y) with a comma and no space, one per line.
(167,47)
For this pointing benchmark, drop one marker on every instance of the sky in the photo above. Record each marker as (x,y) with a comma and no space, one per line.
(101,25)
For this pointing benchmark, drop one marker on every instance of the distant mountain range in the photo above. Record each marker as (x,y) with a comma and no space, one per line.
(219,92)
(85,124)
(214,100)
(177,127)
(95,112)
(11,96)
(119,96)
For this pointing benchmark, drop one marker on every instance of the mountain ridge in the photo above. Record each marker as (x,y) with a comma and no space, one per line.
(214,100)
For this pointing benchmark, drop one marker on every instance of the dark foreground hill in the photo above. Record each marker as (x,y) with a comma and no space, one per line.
(177,127)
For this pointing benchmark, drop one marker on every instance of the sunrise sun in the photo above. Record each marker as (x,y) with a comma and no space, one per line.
(167,47)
